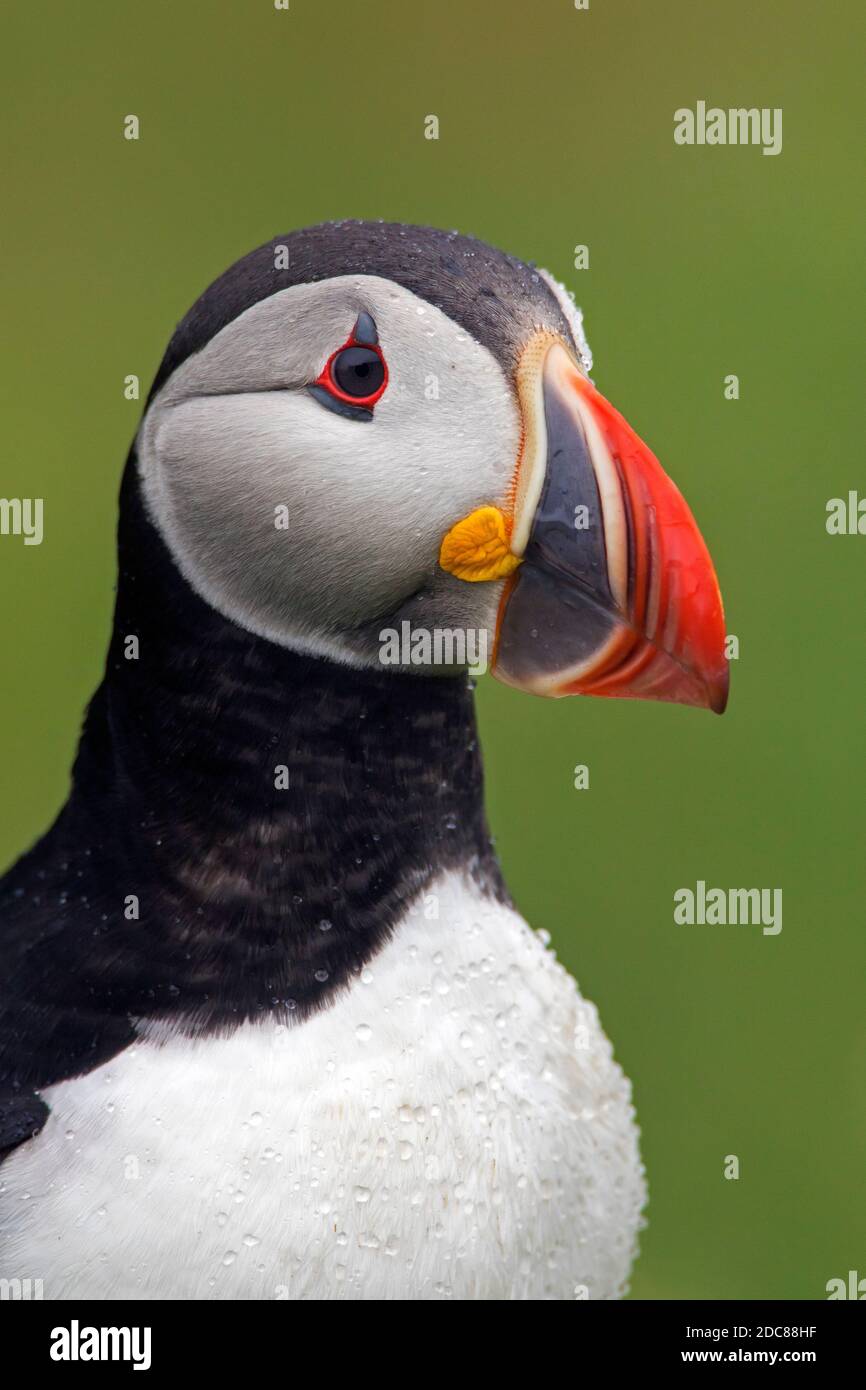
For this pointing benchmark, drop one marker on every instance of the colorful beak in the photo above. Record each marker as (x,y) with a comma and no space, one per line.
(615,593)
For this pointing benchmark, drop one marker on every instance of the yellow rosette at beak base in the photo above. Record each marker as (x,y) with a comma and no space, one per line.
(477,548)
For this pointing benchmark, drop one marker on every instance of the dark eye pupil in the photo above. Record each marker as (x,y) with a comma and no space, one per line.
(358,371)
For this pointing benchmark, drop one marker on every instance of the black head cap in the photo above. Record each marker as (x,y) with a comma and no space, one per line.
(495,297)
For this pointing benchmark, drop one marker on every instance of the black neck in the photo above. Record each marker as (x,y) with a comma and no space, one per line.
(252,895)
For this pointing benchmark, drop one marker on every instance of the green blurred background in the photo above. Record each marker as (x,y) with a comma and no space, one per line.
(556,129)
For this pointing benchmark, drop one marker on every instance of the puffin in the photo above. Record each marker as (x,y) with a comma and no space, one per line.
(271,1026)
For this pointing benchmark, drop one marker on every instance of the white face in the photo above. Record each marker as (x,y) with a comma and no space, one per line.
(234,436)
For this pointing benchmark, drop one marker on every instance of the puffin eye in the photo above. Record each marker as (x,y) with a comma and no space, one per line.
(354,376)
(358,371)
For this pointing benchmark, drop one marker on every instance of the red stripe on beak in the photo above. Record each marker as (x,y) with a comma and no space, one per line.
(674,645)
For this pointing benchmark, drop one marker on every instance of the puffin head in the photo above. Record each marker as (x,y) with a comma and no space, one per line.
(364,430)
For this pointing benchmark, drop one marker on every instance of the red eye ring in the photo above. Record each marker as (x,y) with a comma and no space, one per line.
(365,354)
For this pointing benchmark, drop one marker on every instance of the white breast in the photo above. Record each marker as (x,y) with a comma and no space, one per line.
(453,1126)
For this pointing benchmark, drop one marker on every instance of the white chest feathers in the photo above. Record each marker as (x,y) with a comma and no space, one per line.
(454,1126)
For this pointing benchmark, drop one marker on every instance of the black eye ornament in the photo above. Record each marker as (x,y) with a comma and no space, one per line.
(355,376)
